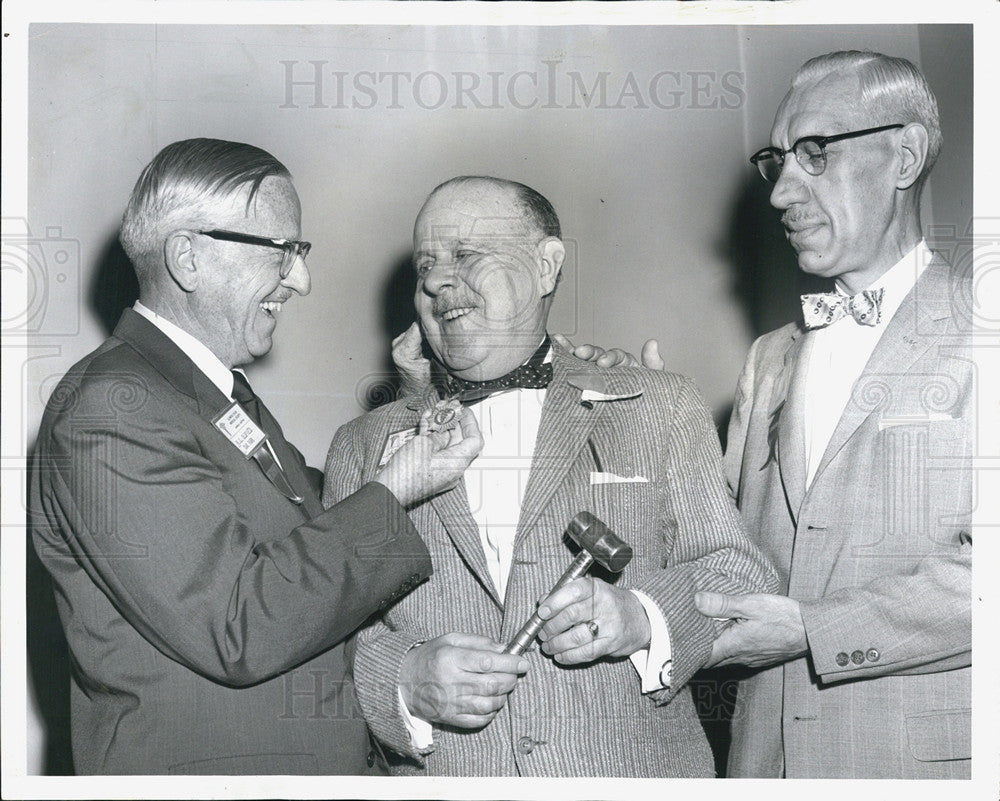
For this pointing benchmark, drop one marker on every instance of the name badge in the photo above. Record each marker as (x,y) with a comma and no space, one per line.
(240,429)
(395,441)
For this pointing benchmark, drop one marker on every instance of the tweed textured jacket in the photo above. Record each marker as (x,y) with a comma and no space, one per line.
(203,609)
(878,549)
(589,720)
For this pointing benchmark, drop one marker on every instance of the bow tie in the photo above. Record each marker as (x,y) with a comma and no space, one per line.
(533,374)
(824,308)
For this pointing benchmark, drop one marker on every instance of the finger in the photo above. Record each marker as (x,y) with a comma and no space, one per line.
(469,721)
(468,424)
(574,637)
(410,339)
(577,590)
(717,604)
(588,353)
(651,355)
(610,358)
(423,427)
(471,442)
(583,654)
(487,685)
(563,342)
(723,649)
(479,661)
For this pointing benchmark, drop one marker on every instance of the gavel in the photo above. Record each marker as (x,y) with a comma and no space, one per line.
(598,543)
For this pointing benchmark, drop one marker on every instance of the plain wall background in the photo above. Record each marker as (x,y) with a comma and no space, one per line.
(669,230)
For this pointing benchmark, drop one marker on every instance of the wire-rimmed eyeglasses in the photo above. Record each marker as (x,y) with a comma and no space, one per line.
(810,152)
(293,248)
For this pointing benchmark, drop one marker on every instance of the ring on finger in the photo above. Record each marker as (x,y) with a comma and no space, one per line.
(593,628)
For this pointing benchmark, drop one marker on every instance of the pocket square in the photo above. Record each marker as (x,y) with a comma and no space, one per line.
(611,478)
(915,420)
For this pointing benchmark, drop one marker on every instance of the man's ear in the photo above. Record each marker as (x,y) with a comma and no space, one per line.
(913,150)
(551,254)
(178,255)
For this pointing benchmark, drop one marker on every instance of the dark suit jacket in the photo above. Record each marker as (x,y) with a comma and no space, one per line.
(203,609)
(583,720)
(878,549)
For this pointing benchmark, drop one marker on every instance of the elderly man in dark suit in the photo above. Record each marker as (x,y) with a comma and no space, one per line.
(850,451)
(606,693)
(204,591)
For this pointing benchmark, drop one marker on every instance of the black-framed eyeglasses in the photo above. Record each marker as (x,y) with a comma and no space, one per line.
(293,248)
(810,152)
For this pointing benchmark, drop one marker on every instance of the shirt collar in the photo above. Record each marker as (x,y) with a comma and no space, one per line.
(899,279)
(194,349)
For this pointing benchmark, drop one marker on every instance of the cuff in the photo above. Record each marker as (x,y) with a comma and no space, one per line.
(653,663)
(420,731)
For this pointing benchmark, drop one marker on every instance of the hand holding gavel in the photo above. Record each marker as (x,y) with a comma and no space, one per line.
(584,619)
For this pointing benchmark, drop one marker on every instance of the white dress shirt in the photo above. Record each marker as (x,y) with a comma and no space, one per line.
(199,353)
(841,350)
(495,484)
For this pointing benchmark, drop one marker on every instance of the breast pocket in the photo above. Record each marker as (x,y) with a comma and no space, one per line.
(631,510)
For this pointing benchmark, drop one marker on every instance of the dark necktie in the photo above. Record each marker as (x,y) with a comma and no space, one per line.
(824,308)
(247,398)
(535,373)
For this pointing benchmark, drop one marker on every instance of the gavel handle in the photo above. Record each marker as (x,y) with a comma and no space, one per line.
(530,629)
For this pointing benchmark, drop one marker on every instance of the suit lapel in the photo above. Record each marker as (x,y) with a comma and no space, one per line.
(451,507)
(787,418)
(914,329)
(562,432)
(183,374)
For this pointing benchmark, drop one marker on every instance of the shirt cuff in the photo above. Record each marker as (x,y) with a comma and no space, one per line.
(420,731)
(653,662)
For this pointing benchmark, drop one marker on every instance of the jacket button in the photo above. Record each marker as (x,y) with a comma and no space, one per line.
(842,659)
(858,657)
(873,655)
(525,745)
(371,759)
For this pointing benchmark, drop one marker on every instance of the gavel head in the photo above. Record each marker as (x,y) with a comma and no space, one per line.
(600,542)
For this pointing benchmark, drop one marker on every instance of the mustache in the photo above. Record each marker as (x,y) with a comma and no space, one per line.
(444,303)
(793,217)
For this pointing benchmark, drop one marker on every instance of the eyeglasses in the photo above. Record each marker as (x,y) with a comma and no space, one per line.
(810,153)
(293,248)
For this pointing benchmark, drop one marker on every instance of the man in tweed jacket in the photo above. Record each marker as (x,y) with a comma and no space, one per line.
(605,693)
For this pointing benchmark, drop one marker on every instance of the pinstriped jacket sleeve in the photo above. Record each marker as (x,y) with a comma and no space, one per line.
(711,549)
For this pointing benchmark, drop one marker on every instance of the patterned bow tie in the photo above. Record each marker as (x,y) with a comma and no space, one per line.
(535,373)
(825,308)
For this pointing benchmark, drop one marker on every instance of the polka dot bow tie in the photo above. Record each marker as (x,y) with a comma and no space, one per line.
(535,373)
(824,308)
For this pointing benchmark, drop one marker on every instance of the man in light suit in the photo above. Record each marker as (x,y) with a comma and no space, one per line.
(204,591)
(850,453)
(605,693)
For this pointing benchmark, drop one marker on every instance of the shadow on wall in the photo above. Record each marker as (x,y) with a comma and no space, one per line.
(397,314)
(48,662)
(114,287)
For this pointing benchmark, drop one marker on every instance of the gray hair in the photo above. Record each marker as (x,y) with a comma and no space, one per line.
(890,87)
(179,186)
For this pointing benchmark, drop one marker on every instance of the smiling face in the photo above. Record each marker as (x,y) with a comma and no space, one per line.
(485,276)
(843,222)
(241,292)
